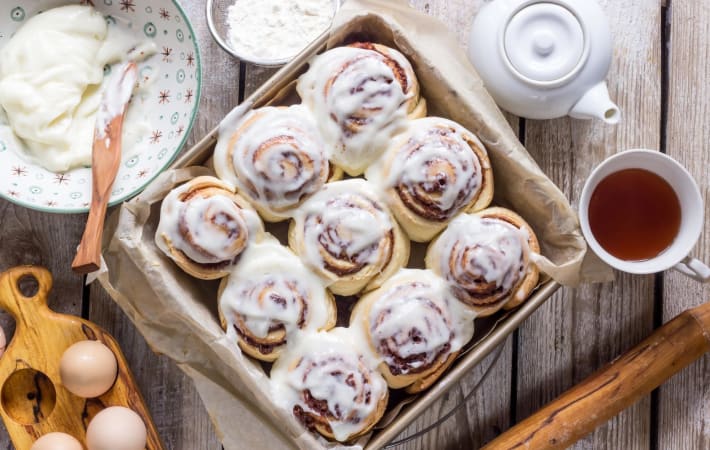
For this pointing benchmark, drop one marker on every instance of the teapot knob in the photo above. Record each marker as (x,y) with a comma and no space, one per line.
(544,43)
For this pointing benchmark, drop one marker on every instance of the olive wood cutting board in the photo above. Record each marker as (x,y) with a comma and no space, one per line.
(32,397)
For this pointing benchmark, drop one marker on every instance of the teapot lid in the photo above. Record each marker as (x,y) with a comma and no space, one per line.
(545,43)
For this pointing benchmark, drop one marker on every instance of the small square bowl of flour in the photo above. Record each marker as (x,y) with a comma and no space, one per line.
(268,32)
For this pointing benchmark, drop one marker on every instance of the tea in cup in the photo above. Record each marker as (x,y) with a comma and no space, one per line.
(641,212)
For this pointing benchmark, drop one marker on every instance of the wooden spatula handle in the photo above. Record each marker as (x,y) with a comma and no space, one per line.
(88,256)
(105,162)
(616,386)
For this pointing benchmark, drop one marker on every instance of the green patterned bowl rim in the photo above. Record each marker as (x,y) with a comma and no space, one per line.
(168,162)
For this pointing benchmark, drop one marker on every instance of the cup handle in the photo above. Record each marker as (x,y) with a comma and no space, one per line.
(694,268)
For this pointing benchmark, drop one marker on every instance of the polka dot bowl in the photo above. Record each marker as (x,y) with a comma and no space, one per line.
(171,103)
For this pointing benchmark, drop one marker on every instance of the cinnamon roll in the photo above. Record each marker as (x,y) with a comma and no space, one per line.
(349,237)
(276,158)
(415,326)
(486,258)
(204,227)
(268,295)
(430,173)
(329,385)
(361,95)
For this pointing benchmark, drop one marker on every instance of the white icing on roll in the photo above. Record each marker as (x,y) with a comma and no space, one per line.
(415,321)
(328,369)
(207,230)
(345,221)
(357,101)
(478,251)
(275,156)
(434,169)
(269,288)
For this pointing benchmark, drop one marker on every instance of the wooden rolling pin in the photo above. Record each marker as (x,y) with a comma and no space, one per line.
(616,386)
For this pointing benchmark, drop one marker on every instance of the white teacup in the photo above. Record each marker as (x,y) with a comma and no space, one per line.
(692,214)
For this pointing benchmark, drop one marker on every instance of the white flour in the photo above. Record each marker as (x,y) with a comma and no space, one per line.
(277,29)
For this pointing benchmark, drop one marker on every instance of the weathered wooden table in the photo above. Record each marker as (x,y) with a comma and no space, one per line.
(659,78)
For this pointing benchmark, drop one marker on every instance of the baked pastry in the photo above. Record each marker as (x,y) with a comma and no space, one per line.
(415,326)
(486,256)
(361,96)
(268,295)
(204,227)
(276,158)
(430,173)
(349,237)
(329,385)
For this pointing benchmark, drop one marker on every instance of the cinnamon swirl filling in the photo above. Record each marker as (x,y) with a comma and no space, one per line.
(346,232)
(361,95)
(276,157)
(438,170)
(485,258)
(411,328)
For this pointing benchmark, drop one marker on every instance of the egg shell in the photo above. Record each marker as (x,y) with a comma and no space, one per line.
(56,441)
(88,369)
(116,428)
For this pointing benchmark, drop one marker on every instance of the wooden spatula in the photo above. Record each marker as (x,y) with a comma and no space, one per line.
(105,160)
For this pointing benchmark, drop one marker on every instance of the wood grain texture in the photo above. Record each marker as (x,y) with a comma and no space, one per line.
(34,402)
(177,409)
(614,387)
(574,333)
(579,330)
(29,237)
(684,402)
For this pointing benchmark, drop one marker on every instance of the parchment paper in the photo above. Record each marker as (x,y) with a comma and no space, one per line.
(177,313)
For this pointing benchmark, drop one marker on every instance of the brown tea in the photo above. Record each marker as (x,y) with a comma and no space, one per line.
(634,214)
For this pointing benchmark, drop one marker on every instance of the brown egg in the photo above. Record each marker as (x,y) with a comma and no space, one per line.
(56,441)
(116,428)
(88,369)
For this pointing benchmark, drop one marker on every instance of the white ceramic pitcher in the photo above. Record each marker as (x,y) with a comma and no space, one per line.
(544,59)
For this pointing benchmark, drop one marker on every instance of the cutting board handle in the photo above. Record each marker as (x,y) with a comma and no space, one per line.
(25,310)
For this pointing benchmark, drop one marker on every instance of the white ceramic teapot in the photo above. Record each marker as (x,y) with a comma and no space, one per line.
(543,59)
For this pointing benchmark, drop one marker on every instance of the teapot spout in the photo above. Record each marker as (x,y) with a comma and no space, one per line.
(596,104)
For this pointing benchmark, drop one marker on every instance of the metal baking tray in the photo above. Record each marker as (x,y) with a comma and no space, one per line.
(490,332)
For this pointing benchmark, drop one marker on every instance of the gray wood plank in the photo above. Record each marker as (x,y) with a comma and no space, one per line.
(579,330)
(177,410)
(30,237)
(684,401)
(487,411)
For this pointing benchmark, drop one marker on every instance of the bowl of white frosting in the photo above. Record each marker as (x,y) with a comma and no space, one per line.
(55,57)
(268,32)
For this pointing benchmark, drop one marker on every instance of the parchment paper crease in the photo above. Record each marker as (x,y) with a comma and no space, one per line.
(177,314)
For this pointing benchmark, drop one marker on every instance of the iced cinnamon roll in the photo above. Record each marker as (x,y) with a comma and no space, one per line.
(329,385)
(349,237)
(276,158)
(204,227)
(486,258)
(268,296)
(361,95)
(415,326)
(430,173)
